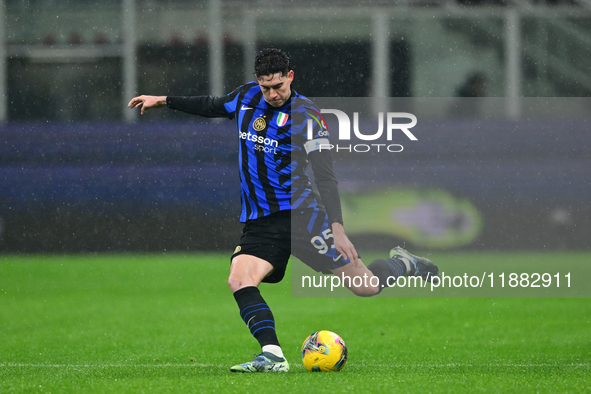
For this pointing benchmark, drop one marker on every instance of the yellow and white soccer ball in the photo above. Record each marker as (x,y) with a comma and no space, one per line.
(324,351)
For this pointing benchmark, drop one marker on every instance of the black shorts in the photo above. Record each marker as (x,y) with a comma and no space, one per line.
(304,233)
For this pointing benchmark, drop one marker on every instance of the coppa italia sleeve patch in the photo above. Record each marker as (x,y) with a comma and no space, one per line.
(317,144)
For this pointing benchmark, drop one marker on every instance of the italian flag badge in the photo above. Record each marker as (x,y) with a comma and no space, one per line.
(282,119)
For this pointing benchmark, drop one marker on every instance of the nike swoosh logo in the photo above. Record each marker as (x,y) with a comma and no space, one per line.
(244,108)
(249,320)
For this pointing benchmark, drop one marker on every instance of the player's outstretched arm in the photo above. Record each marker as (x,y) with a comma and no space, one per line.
(147,102)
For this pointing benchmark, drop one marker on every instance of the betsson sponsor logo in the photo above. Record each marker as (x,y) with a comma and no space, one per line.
(262,144)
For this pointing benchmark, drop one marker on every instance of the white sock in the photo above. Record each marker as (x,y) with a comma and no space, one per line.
(273,349)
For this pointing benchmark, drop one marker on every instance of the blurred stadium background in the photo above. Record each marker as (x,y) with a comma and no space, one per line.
(81,172)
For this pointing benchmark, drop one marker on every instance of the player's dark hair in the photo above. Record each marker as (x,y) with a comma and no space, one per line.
(271,61)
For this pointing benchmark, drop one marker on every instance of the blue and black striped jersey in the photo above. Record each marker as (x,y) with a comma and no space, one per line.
(274,150)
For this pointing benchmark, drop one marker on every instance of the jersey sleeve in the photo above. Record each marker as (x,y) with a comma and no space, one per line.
(327,185)
(206,106)
(317,148)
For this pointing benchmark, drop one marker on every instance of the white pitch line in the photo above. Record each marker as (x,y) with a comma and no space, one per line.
(14,365)
(476,365)
(17,365)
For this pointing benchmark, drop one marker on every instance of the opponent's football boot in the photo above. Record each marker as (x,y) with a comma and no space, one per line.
(415,265)
(264,362)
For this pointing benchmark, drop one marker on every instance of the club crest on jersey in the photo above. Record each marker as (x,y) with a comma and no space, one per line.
(259,124)
(282,119)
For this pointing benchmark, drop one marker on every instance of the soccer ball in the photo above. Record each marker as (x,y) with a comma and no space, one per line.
(324,351)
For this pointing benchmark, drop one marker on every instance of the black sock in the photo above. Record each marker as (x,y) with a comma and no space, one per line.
(385,268)
(256,314)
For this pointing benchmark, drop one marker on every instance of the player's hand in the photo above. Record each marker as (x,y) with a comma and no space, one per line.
(147,102)
(343,245)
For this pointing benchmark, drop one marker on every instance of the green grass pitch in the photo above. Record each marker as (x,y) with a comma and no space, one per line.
(168,324)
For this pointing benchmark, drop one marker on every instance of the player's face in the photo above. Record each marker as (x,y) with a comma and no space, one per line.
(276,88)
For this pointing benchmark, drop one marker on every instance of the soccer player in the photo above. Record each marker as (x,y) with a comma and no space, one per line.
(283,214)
